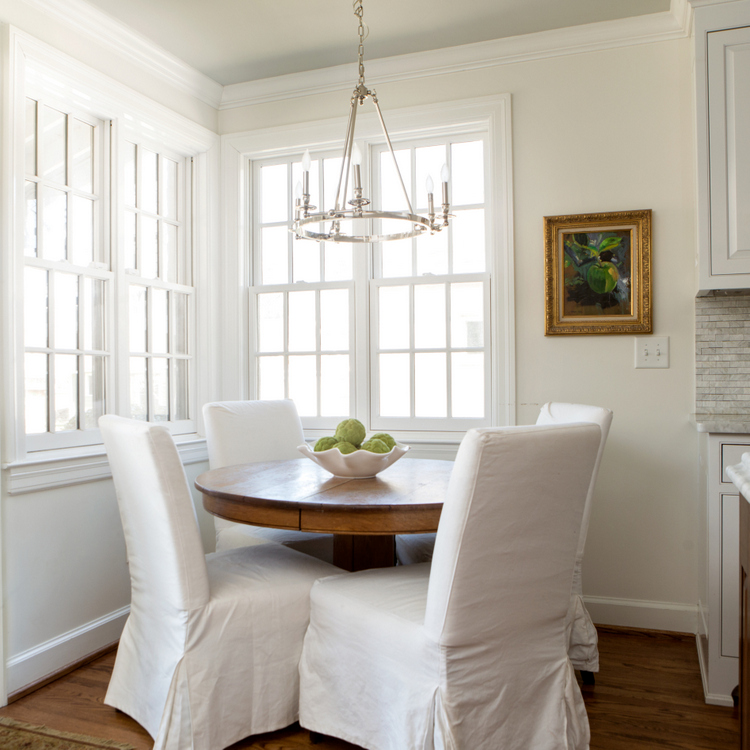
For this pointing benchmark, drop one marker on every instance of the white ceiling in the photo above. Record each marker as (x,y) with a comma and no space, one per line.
(242,40)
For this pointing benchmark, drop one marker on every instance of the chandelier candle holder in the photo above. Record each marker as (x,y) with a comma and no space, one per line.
(332,225)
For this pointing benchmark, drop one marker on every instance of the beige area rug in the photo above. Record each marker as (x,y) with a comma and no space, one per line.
(17,735)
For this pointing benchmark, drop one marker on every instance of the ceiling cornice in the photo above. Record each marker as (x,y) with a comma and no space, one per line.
(654,27)
(124,41)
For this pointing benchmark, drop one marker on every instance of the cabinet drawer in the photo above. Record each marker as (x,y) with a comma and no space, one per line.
(731,454)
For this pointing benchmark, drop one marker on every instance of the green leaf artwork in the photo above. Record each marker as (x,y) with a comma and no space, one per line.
(596,270)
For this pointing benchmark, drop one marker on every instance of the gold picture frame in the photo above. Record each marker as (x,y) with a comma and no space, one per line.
(597,273)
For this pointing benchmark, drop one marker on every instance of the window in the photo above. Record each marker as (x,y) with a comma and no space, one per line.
(67,274)
(397,334)
(108,242)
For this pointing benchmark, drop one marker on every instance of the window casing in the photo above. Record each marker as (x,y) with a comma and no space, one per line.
(78,262)
(412,321)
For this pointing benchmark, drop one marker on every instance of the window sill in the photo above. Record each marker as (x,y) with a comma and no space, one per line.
(47,470)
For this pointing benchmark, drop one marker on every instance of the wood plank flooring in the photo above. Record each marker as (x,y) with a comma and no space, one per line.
(648,695)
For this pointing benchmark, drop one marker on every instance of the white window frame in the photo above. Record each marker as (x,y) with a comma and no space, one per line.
(32,66)
(487,114)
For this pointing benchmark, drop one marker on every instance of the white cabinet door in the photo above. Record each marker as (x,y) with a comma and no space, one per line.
(730,575)
(729,149)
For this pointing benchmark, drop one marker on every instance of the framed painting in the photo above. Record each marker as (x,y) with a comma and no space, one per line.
(598,273)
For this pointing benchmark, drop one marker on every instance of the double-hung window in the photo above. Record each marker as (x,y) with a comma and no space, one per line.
(107,256)
(398,334)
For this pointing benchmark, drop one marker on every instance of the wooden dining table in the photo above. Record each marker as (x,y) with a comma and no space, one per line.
(364,515)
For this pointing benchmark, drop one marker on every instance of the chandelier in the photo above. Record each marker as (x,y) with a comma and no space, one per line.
(333,225)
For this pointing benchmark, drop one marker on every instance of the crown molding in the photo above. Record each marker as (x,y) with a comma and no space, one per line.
(124,41)
(655,27)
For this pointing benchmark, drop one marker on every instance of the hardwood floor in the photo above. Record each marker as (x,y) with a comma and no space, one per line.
(648,695)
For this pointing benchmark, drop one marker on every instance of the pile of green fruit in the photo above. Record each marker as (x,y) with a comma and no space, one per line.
(350,437)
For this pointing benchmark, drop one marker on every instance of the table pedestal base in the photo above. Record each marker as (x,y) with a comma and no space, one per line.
(361,551)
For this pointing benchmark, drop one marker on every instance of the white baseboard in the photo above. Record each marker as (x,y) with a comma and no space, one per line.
(637,613)
(36,663)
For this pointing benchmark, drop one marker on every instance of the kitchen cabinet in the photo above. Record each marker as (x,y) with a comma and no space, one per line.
(722,37)
(719,639)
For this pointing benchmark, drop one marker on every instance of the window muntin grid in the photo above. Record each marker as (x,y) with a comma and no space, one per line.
(158,266)
(435,384)
(67,276)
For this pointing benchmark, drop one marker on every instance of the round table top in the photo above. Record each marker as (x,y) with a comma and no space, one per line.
(405,498)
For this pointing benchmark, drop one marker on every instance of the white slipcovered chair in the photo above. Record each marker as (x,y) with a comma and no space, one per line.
(210,652)
(583,648)
(470,652)
(238,432)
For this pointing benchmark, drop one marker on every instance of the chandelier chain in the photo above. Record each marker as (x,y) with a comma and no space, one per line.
(359,12)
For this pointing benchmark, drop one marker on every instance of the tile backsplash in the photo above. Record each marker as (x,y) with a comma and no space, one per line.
(722,354)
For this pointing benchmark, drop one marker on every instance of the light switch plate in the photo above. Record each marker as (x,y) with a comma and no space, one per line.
(651,352)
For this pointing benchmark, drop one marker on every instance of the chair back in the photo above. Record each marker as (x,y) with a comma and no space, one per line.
(241,431)
(561,413)
(165,553)
(504,555)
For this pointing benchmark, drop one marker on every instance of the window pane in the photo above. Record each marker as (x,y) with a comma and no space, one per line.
(303,385)
(128,168)
(467,173)
(429,316)
(393,324)
(271,322)
(271,377)
(138,389)
(274,201)
(148,198)
(169,188)
(160,385)
(180,323)
(159,321)
(334,385)
(30,138)
(82,250)
(275,258)
(432,253)
(93,314)
(169,251)
(338,261)
(305,261)
(93,390)
(467,315)
(149,247)
(468,241)
(55,224)
(331,174)
(181,402)
(54,140)
(82,155)
(430,160)
(334,319)
(66,311)
(394,385)
(35,308)
(129,247)
(30,222)
(467,384)
(396,254)
(392,196)
(137,318)
(302,321)
(35,397)
(430,397)
(66,392)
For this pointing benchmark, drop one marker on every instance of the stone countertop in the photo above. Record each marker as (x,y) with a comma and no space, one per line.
(723,423)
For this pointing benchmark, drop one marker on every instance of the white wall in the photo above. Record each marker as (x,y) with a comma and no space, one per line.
(600,131)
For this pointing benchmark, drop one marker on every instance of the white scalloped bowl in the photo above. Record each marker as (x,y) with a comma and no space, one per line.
(358,465)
